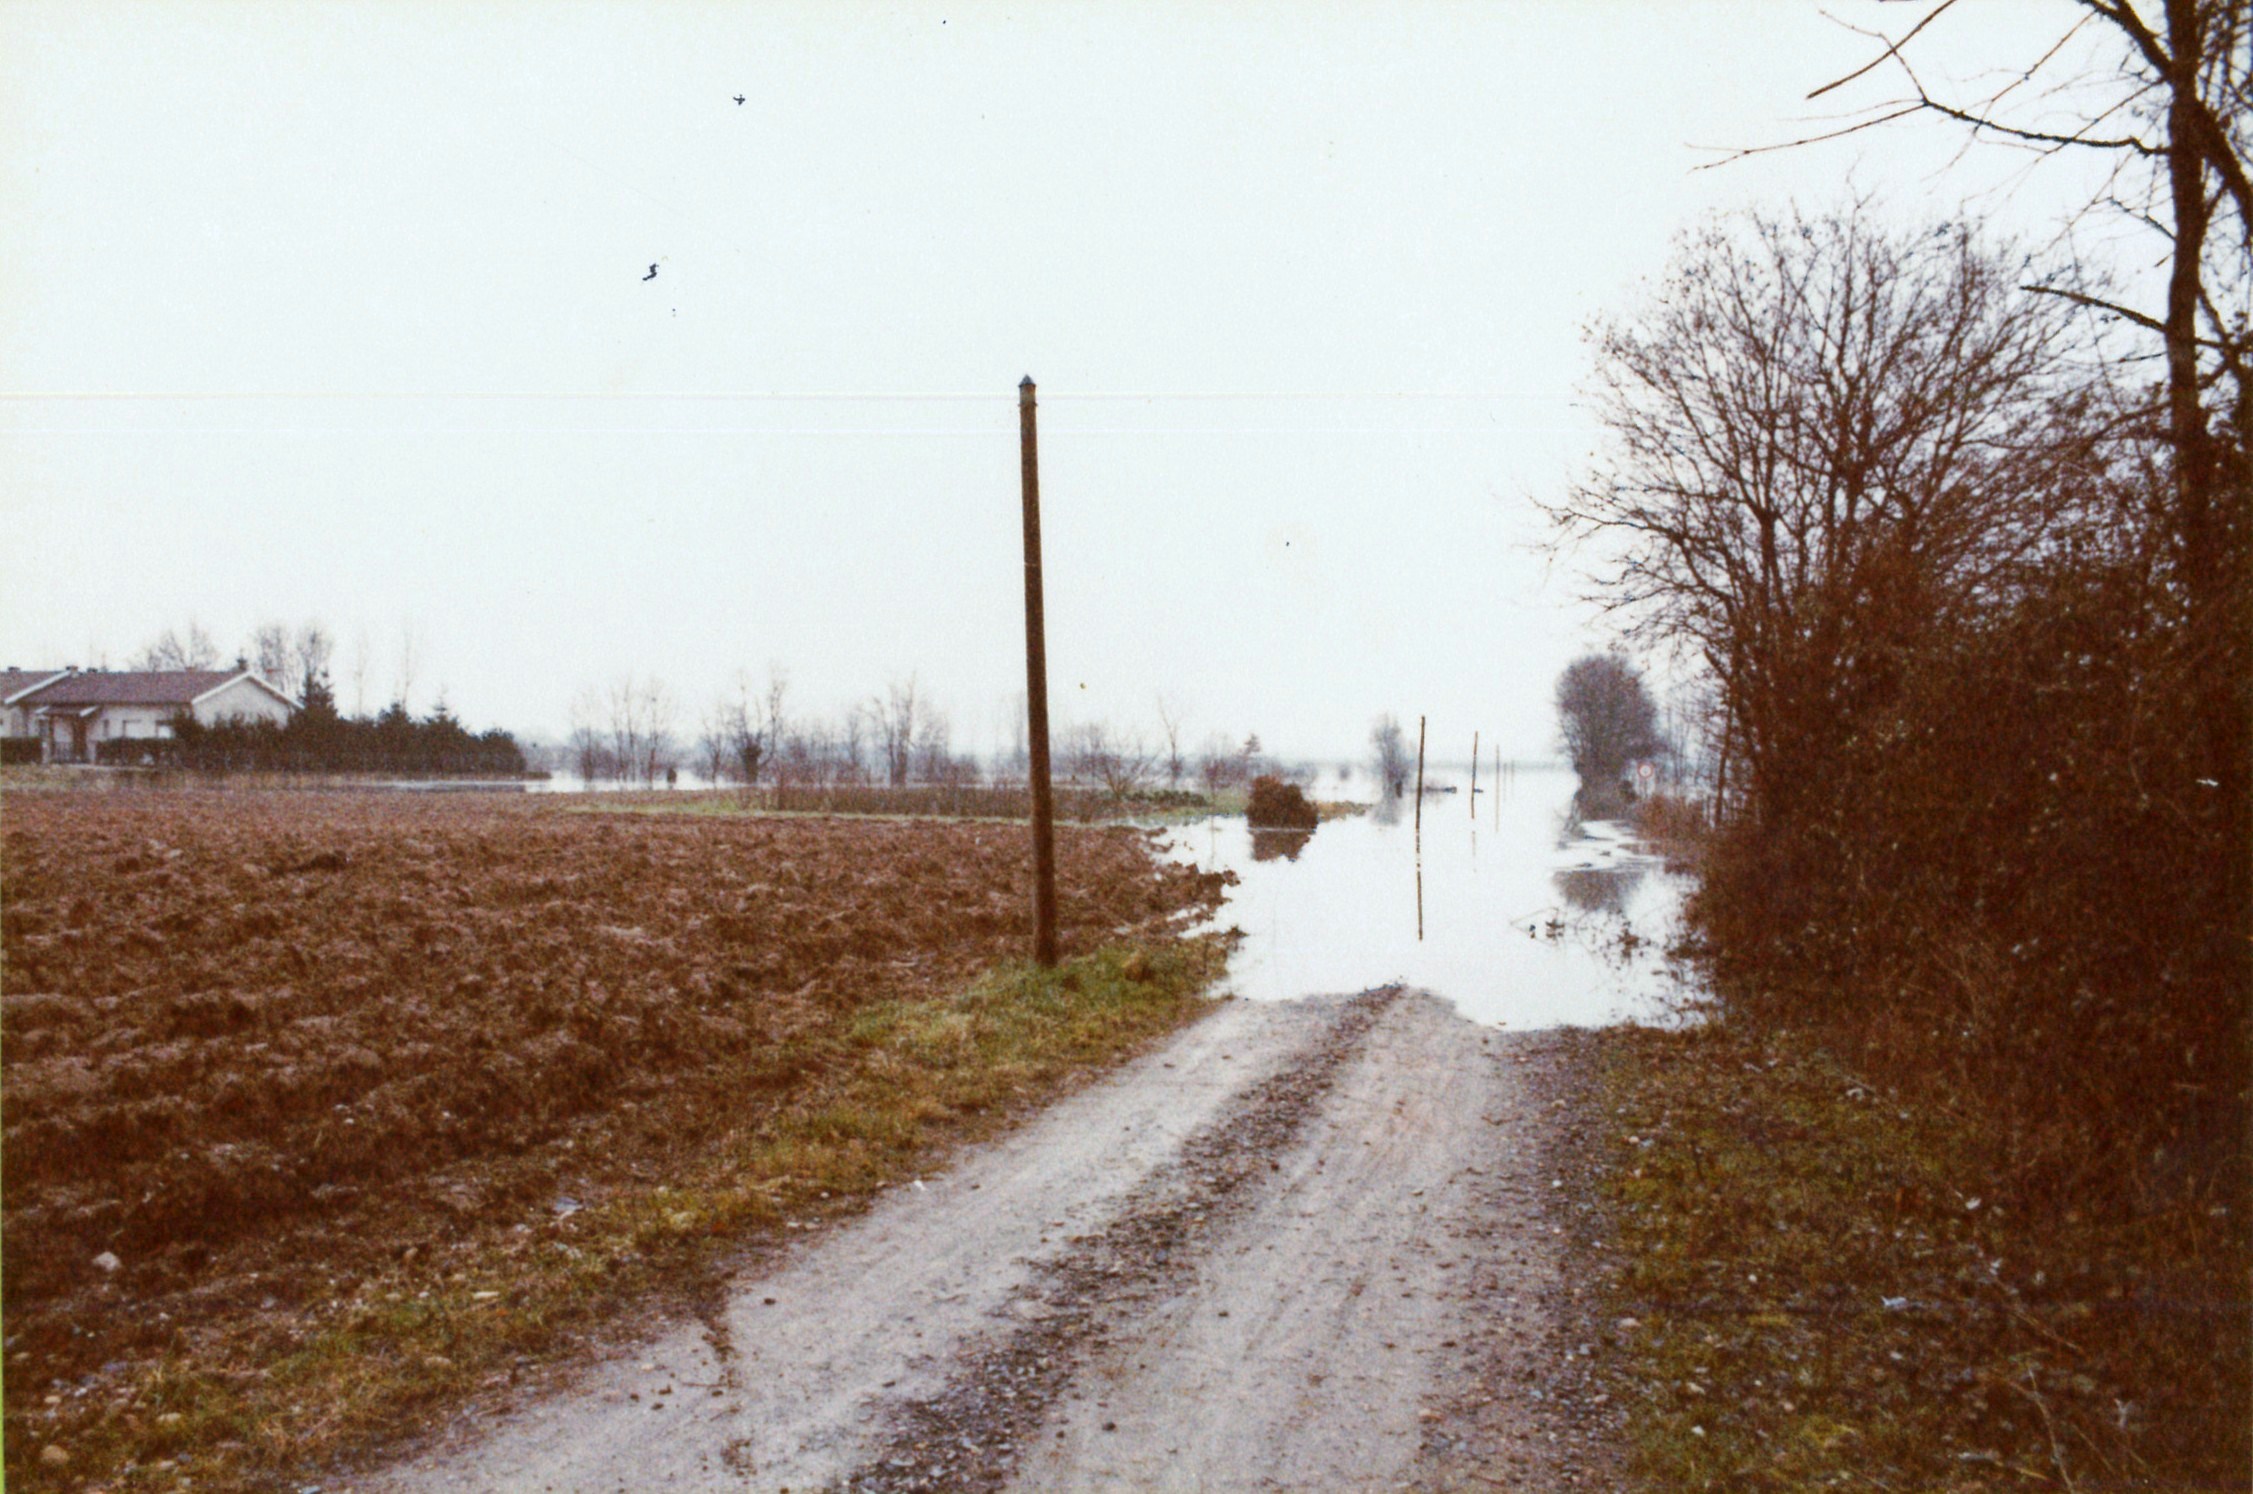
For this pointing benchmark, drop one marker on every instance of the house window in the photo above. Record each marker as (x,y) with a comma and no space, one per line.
(108,726)
(164,728)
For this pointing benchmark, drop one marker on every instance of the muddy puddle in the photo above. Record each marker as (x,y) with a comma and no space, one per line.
(1520,913)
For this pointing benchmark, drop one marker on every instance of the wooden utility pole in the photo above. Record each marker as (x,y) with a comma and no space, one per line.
(1036,694)
(1419,782)
(1474,794)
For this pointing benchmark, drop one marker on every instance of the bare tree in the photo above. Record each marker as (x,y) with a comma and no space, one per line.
(172,650)
(850,745)
(638,715)
(1822,436)
(2164,88)
(1119,761)
(810,754)
(660,716)
(935,761)
(588,743)
(1390,747)
(1606,716)
(713,746)
(2168,102)
(1111,758)
(622,719)
(269,653)
(1690,724)
(363,652)
(788,763)
(1218,764)
(742,728)
(310,650)
(1251,759)
(1012,759)
(1169,726)
(409,658)
(896,723)
(772,714)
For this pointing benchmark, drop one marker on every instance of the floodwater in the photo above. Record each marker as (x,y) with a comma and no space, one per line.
(1520,914)
(561,782)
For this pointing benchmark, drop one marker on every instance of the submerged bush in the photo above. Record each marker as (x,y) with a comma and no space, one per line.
(1276,805)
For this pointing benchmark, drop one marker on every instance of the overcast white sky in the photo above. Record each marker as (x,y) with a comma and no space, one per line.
(339,311)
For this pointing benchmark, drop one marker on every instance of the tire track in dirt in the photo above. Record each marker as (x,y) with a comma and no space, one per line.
(1383,1318)
(971,1435)
(789,1376)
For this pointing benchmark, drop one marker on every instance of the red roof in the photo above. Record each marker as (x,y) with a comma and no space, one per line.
(12,680)
(151,687)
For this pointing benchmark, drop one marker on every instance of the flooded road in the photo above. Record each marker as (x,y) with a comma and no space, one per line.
(1521,915)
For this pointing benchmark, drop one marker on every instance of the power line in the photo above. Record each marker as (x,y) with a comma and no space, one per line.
(765,395)
(854,432)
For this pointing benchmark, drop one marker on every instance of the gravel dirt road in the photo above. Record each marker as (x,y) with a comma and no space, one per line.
(1303,1245)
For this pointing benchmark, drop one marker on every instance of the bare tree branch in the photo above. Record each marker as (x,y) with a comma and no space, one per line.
(1892,49)
(2097,303)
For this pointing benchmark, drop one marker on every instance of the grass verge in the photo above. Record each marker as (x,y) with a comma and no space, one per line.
(889,1092)
(1808,1283)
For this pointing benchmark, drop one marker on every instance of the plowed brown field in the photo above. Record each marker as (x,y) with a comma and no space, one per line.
(258,1045)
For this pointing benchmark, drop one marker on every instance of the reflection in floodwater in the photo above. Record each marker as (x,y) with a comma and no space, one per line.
(1269,844)
(1607,865)
(1600,889)
(1370,901)
(1419,894)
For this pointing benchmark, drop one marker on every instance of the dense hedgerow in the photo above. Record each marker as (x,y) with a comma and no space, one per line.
(2024,884)
(318,739)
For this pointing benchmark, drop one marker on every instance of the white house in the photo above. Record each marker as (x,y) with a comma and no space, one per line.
(75,712)
(15,684)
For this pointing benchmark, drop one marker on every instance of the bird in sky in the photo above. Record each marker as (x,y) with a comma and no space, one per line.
(652,275)
(739,98)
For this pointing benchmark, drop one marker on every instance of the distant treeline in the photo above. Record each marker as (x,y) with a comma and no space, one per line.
(318,739)
(631,732)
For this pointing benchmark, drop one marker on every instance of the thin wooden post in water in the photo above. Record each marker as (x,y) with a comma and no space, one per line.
(1419,781)
(1474,795)
(1036,694)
